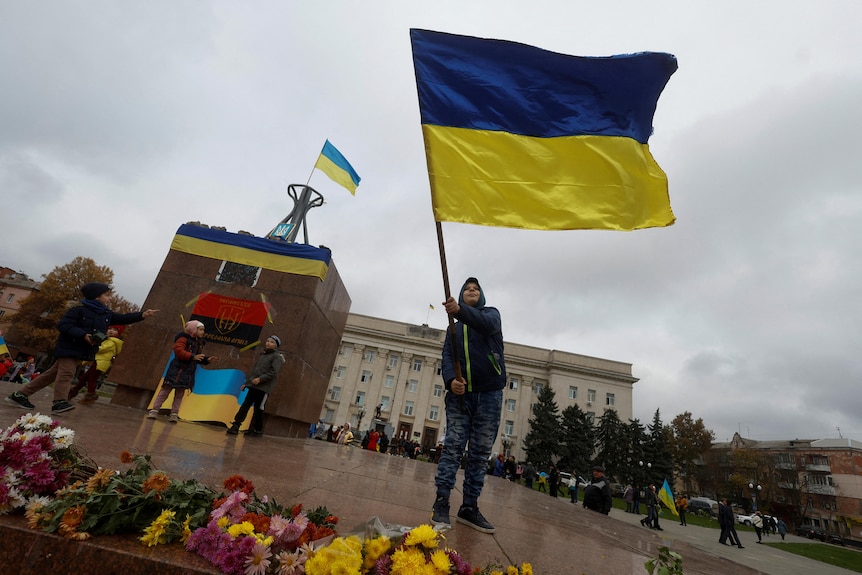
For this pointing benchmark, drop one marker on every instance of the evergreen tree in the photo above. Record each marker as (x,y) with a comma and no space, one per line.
(578,443)
(612,443)
(636,442)
(542,441)
(658,453)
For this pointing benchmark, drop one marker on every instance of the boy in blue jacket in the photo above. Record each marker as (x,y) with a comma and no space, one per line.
(473,402)
(78,341)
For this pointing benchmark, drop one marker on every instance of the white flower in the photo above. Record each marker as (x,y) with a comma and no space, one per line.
(38,501)
(63,437)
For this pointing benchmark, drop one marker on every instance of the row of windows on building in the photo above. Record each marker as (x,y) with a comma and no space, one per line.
(412,386)
(370,355)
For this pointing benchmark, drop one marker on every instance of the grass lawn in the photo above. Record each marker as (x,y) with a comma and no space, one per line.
(832,554)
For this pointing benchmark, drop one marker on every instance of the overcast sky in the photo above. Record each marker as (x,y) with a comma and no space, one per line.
(120,121)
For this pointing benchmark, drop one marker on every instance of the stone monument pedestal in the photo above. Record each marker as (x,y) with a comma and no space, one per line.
(307,309)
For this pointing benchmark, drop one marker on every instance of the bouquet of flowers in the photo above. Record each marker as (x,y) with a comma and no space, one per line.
(418,552)
(245,532)
(36,459)
(139,499)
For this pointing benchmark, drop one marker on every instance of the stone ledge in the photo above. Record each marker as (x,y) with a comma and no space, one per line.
(26,551)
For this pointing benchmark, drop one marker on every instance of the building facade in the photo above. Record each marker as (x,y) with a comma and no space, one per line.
(14,288)
(804,481)
(387,376)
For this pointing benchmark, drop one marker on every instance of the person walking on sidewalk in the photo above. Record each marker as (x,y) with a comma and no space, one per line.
(573,486)
(726,521)
(188,354)
(473,401)
(651,520)
(81,329)
(757,522)
(259,382)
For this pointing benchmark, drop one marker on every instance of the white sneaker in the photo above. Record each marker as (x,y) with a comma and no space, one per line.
(152,414)
(173,418)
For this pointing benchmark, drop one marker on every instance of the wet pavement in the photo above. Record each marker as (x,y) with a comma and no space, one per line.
(553,535)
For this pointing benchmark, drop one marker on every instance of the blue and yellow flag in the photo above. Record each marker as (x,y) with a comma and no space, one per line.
(339,170)
(516,136)
(666,497)
(300,259)
(3,347)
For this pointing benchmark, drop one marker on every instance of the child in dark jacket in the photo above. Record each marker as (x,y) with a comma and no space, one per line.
(259,382)
(78,341)
(188,354)
(473,400)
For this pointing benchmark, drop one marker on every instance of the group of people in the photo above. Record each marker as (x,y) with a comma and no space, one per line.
(83,329)
(17,371)
(89,333)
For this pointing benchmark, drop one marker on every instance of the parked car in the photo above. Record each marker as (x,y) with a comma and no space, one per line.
(745,519)
(811,532)
(564,480)
(701,507)
(836,539)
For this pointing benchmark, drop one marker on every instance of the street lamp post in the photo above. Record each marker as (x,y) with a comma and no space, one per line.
(648,466)
(754,490)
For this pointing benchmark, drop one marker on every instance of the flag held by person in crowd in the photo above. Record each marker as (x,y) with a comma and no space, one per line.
(339,170)
(517,136)
(666,497)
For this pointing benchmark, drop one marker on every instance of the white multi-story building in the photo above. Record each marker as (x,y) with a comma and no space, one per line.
(395,367)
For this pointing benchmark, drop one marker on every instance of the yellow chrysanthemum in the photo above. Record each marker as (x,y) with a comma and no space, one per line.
(374,550)
(264,539)
(244,528)
(495,572)
(408,561)
(154,535)
(441,561)
(223,522)
(511,570)
(526,569)
(187,532)
(423,535)
(320,564)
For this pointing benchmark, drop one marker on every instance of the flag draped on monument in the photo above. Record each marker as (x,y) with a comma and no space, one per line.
(521,137)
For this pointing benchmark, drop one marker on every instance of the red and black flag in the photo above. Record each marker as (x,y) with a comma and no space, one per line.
(230,321)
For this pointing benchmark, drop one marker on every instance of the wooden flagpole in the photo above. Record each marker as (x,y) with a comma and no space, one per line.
(448,294)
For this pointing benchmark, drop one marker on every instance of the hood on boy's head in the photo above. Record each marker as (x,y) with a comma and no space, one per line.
(472,280)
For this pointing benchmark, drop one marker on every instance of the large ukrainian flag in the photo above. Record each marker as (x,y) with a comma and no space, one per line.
(521,137)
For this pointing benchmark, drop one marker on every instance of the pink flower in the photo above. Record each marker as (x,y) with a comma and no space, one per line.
(258,562)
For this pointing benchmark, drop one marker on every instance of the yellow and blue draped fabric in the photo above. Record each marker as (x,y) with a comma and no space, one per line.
(300,259)
(521,137)
(332,163)
(666,497)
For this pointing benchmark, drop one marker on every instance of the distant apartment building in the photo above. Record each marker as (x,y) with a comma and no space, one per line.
(387,376)
(804,481)
(14,288)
